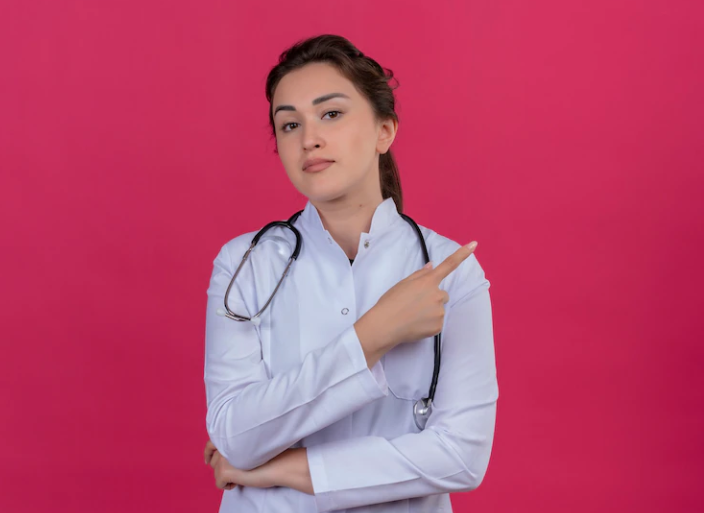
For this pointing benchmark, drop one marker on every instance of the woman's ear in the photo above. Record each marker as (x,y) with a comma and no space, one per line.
(387,134)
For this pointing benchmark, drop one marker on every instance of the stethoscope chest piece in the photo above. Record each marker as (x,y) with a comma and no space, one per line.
(421,412)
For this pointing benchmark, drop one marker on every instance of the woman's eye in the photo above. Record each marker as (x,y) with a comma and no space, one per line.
(337,112)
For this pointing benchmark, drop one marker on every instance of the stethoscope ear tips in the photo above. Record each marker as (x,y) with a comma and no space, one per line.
(222,313)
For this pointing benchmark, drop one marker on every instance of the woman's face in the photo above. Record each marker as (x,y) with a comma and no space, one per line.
(341,129)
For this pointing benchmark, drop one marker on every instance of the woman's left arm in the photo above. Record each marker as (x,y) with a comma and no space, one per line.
(452,453)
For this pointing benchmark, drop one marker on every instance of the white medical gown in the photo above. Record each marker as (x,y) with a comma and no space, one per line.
(300,378)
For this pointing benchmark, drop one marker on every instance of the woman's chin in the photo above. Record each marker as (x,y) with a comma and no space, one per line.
(322,193)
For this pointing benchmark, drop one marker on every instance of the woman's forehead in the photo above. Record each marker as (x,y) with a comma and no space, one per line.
(303,86)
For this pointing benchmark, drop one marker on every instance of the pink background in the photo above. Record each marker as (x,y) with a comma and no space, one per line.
(566,137)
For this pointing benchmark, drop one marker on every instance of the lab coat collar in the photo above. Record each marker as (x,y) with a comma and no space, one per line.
(385,215)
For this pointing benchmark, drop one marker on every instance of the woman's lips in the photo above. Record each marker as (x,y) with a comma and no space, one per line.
(319,167)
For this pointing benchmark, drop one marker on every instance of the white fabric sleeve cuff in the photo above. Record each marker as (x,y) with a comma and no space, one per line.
(374,380)
(319,478)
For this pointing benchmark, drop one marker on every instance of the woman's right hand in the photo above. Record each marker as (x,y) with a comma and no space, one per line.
(414,308)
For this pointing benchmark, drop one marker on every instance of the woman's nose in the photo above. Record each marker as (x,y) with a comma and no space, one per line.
(312,137)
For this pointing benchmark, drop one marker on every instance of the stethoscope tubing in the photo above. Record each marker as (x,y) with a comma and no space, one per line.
(422,407)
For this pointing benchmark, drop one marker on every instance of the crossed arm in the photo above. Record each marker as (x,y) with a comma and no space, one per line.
(289,469)
(253,420)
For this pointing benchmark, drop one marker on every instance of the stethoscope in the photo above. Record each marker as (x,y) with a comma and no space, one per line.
(422,407)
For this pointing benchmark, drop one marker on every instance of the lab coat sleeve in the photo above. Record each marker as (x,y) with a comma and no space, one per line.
(452,453)
(251,417)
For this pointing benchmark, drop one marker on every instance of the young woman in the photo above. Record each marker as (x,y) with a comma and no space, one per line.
(314,406)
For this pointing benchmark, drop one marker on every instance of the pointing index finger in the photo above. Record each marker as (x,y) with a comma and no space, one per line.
(453,261)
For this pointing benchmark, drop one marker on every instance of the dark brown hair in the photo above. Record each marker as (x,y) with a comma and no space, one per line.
(368,77)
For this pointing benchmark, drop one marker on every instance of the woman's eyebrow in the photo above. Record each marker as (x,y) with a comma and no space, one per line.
(322,99)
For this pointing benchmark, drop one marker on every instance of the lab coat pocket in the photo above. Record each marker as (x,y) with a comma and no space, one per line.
(409,368)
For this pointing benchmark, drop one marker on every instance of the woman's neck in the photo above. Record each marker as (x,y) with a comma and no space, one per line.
(346,222)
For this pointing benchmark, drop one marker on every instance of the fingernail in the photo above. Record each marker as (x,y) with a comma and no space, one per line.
(472,245)
(428,265)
